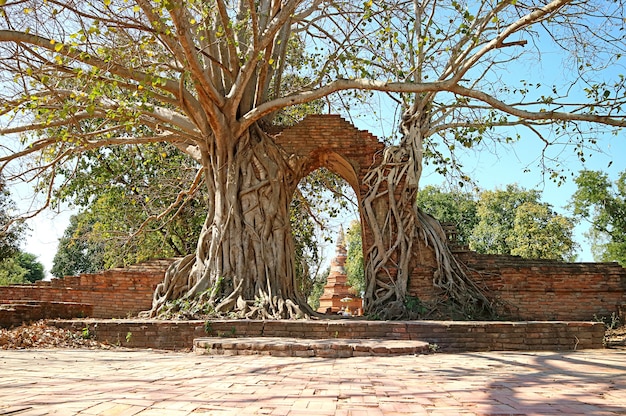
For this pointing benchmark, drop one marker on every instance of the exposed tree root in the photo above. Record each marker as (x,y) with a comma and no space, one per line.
(243,266)
(451,275)
(233,307)
(397,224)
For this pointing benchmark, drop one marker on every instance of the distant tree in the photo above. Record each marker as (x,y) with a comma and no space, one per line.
(77,253)
(34,269)
(354,261)
(510,221)
(11,273)
(603,205)
(21,268)
(514,221)
(318,289)
(11,230)
(539,233)
(496,213)
(456,207)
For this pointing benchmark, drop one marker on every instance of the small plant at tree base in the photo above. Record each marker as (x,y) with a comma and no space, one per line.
(415,306)
(86,334)
(208,327)
(129,335)
(610,322)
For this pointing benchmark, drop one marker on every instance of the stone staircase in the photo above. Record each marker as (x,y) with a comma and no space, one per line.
(302,347)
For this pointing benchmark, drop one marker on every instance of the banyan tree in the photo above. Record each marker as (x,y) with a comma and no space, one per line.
(213,77)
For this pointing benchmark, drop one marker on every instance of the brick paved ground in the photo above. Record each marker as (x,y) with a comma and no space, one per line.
(122,382)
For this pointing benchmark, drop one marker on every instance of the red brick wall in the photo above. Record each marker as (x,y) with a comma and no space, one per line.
(448,336)
(536,290)
(114,293)
(550,290)
(14,313)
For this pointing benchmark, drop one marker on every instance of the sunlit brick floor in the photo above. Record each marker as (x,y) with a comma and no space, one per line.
(122,382)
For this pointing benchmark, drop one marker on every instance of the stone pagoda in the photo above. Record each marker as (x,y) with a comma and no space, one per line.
(339,297)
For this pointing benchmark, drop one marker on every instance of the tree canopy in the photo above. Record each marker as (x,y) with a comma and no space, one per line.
(11,232)
(136,203)
(77,251)
(211,78)
(539,233)
(510,221)
(515,221)
(504,221)
(455,207)
(603,205)
(99,75)
(22,267)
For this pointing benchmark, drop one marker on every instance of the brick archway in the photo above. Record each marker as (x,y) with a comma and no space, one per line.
(331,142)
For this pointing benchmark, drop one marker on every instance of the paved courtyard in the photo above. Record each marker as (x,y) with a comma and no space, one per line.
(123,382)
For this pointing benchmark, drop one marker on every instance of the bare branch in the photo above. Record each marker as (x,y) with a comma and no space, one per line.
(538,115)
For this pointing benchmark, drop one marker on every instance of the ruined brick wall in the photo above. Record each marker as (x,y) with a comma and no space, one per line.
(332,142)
(550,290)
(15,312)
(114,293)
(448,336)
(535,290)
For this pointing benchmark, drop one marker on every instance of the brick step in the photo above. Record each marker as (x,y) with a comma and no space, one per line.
(300,347)
(18,312)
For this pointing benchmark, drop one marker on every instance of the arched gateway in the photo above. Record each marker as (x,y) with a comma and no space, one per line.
(330,141)
(518,288)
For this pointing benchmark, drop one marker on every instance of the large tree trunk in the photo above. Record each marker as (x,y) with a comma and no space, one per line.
(244,262)
(396,224)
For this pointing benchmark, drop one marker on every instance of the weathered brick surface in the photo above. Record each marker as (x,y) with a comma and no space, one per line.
(330,141)
(14,313)
(533,290)
(551,290)
(446,336)
(302,347)
(114,293)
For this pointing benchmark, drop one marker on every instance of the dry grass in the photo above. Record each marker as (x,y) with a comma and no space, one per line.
(616,337)
(40,335)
